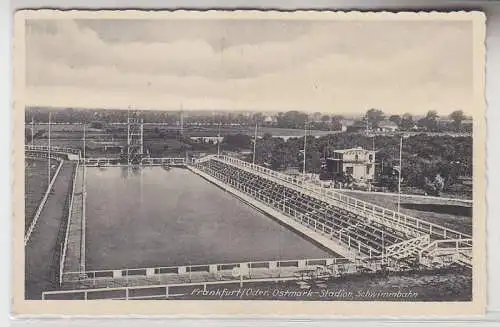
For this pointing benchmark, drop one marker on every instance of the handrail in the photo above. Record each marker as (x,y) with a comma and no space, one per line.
(42,203)
(403,247)
(461,245)
(52,148)
(279,262)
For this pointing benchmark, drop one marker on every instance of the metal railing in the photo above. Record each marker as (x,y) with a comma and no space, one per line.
(163,291)
(407,247)
(164,161)
(44,148)
(243,268)
(459,249)
(111,162)
(42,203)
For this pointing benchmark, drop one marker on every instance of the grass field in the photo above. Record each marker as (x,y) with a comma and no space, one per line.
(448,213)
(35,185)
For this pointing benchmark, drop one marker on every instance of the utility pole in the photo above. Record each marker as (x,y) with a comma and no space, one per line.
(84,199)
(305,144)
(48,150)
(32,131)
(142,138)
(400,168)
(128,138)
(218,142)
(254,143)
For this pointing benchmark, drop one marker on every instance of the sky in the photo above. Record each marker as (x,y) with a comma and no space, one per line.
(328,66)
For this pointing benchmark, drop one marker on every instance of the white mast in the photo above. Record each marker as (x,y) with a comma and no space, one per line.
(305,143)
(218,142)
(32,130)
(128,137)
(48,150)
(142,137)
(254,143)
(400,168)
(84,199)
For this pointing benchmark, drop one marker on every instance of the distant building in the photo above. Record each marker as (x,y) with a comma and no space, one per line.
(270,120)
(355,127)
(387,126)
(356,162)
(345,123)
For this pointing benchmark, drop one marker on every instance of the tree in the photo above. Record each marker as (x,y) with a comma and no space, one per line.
(316,117)
(258,118)
(434,187)
(432,115)
(396,119)
(429,121)
(457,117)
(407,122)
(292,119)
(325,118)
(237,141)
(374,117)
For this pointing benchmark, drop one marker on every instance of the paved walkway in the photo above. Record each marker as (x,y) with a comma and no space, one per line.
(73,251)
(41,252)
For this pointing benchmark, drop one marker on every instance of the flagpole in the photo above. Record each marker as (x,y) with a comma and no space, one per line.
(305,144)
(48,150)
(400,168)
(218,142)
(32,131)
(254,143)
(84,200)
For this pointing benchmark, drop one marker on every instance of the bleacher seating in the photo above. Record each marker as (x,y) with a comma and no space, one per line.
(354,229)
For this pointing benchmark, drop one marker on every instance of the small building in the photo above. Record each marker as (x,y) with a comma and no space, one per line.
(356,162)
(270,120)
(345,123)
(354,126)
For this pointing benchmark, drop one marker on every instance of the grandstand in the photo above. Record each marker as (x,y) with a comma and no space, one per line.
(371,231)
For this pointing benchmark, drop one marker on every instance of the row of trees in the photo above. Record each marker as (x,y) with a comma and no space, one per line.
(429,122)
(290,119)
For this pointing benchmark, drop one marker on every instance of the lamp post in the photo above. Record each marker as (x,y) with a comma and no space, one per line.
(305,144)
(48,151)
(254,143)
(32,131)
(218,142)
(400,168)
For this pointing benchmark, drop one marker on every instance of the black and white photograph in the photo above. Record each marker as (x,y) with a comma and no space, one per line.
(276,157)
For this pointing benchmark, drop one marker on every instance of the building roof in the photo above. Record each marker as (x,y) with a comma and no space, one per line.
(387,123)
(351,149)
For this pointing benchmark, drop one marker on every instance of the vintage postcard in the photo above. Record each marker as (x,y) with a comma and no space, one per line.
(249,163)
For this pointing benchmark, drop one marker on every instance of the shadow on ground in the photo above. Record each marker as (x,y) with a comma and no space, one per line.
(440,208)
